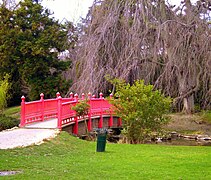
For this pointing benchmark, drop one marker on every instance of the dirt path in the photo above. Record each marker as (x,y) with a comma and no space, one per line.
(20,137)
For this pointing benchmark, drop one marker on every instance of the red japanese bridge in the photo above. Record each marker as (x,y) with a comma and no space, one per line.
(57,113)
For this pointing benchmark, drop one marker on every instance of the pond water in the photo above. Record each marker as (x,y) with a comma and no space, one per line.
(177,140)
(183,142)
(173,139)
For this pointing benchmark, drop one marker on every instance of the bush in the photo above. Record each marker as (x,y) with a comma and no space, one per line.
(141,109)
(7,122)
(82,108)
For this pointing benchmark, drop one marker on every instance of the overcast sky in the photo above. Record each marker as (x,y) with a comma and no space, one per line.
(72,10)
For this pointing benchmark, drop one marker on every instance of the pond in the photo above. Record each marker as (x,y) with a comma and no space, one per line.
(114,136)
(173,139)
(181,141)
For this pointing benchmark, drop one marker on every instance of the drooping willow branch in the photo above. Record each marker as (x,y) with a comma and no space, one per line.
(144,39)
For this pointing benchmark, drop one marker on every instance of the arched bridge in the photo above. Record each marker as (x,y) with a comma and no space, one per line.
(57,113)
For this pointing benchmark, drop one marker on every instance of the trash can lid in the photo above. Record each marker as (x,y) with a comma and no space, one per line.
(101,130)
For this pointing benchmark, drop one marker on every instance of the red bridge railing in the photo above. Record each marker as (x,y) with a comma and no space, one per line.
(60,108)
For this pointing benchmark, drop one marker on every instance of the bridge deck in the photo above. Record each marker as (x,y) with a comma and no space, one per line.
(48,124)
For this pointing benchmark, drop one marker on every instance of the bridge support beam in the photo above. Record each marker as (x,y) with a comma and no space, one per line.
(100,125)
(119,122)
(90,123)
(75,128)
(111,121)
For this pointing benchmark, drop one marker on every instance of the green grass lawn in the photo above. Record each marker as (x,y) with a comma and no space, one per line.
(67,157)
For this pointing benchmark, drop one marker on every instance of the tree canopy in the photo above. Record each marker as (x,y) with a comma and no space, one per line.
(30,42)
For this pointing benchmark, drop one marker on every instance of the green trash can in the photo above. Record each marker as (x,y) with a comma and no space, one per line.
(101,140)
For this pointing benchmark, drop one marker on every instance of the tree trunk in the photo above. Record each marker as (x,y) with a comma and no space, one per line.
(188,104)
(188,101)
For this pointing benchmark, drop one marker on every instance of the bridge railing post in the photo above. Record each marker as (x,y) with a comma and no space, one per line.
(90,112)
(76,97)
(111,113)
(59,111)
(101,111)
(42,106)
(89,95)
(23,105)
(82,96)
(71,96)
(57,94)
(75,128)
(119,122)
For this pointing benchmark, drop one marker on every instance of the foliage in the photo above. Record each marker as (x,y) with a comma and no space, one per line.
(4,86)
(50,86)
(71,158)
(81,108)
(7,122)
(151,40)
(141,109)
(30,42)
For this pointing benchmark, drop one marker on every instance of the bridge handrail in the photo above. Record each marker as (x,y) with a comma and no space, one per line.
(39,110)
(59,107)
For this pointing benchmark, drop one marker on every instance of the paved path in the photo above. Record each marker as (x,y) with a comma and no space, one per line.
(21,137)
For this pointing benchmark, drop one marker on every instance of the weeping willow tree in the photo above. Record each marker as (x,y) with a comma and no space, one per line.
(151,40)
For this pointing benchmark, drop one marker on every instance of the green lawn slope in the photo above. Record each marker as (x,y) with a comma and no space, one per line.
(67,157)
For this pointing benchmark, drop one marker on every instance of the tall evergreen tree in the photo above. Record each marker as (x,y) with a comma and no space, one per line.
(30,42)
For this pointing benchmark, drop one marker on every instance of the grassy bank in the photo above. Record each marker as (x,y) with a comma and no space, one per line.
(199,123)
(67,157)
(207,116)
(13,112)
(10,118)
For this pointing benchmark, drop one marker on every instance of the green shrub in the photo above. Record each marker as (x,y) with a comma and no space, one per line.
(141,109)
(4,86)
(82,108)
(7,122)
